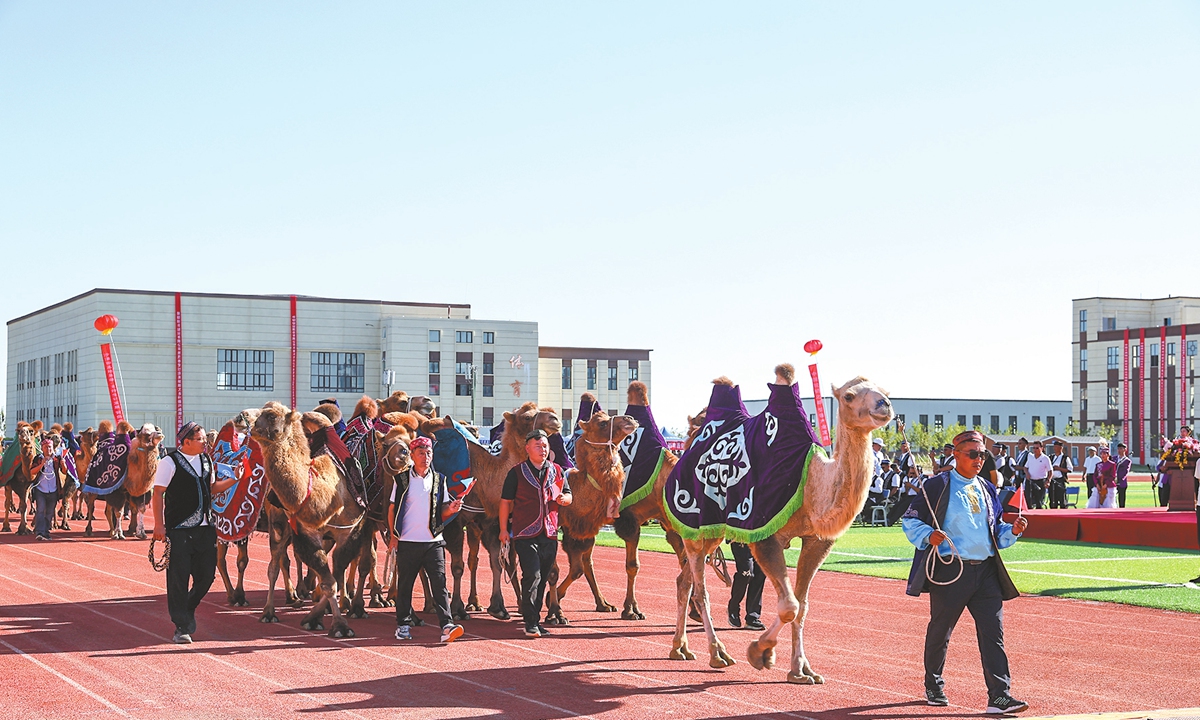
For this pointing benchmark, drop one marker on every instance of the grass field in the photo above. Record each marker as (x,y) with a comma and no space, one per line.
(1150,577)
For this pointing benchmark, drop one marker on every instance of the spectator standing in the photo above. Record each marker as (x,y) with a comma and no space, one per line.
(45,491)
(904,460)
(1037,471)
(946,461)
(876,495)
(1059,477)
(1020,460)
(910,486)
(748,583)
(1089,469)
(1124,464)
(877,452)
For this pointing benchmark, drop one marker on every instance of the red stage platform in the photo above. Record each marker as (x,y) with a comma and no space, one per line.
(1152,527)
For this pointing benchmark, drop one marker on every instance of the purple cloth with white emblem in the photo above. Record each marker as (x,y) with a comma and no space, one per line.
(109,465)
(641,455)
(743,477)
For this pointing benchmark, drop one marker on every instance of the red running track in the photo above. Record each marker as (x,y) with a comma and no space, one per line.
(84,633)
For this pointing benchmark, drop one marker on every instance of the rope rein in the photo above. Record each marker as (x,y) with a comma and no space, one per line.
(935,557)
(160,565)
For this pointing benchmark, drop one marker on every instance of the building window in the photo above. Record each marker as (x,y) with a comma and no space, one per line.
(612,378)
(924,421)
(994,425)
(962,420)
(21,382)
(435,336)
(73,365)
(1083,361)
(1114,358)
(1191,348)
(464,336)
(1170,358)
(1050,424)
(489,364)
(337,372)
(1083,404)
(1114,398)
(1135,354)
(591,378)
(566,378)
(489,416)
(633,372)
(1083,321)
(489,338)
(1153,355)
(976,421)
(566,417)
(462,368)
(245,369)
(45,376)
(938,423)
(1012,423)
(1108,323)
(435,362)
(489,390)
(900,418)
(462,389)
(435,385)
(1166,322)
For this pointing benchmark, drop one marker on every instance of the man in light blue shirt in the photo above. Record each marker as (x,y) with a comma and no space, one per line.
(958,512)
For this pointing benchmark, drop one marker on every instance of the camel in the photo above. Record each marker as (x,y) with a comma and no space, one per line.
(595,482)
(236,595)
(835,493)
(22,477)
(134,491)
(83,458)
(315,496)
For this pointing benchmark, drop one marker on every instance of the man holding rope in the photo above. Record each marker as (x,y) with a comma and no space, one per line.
(184,484)
(960,514)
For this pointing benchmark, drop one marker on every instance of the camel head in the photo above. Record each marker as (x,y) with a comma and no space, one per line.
(27,439)
(124,428)
(394,454)
(600,429)
(396,402)
(147,439)
(88,439)
(313,421)
(366,407)
(694,424)
(422,405)
(243,421)
(106,427)
(862,405)
(277,424)
(547,420)
(520,422)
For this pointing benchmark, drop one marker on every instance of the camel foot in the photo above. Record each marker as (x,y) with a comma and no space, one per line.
(239,599)
(630,614)
(78,516)
(556,618)
(269,616)
(315,624)
(86,533)
(472,606)
(682,653)
(6,528)
(139,535)
(718,657)
(357,611)
(376,603)
(459,615)
(605,607)
(694,614)
(498,612)
(802,679)
(761,657)
(23,530)
(340,630)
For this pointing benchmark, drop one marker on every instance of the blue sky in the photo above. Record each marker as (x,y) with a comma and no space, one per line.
(922,186)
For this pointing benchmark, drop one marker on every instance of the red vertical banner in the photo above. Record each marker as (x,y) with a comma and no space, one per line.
(1125,402)
(293,351)
(1162,382)
(178,361)
(113,396)
(1141,384)
(822,420)
(1183,373)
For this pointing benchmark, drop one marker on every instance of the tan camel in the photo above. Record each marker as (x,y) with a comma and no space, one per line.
(134,490)
(315,495)
(596,481)
(22,477)
(83,457)
(835,493)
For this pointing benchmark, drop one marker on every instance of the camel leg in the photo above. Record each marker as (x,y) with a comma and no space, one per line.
(343,586)
(243,562)
(137,520)
(491,541)
(134,517)
(8,499)
(313,555)
(453,535)
(366,566)
(91,514)
(473,541)
(279,551)
(285,560)
(223,569)
(683,596)
(769,554)
(719,657)
(812,553)
(23,509)
(589,572)
(77,503)
(631,532)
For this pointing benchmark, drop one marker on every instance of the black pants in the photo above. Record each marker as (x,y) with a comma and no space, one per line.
(1164,494)
(193,557)
(1121,496)
(1035,493)
(411,558)
(899,508)
(747,582)
(536,556)
(1091,483)
(978,590)
(1058,494)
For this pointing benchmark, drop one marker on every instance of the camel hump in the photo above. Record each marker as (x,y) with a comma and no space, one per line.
(638,394)
(786,372)
(723,380)
(366,407)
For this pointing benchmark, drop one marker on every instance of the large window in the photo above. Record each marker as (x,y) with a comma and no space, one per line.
(1153,354)
(1170,358)
(464,336)
(462,388)
(1012,423)
(962,420)
(1083,361)
(489,416)
(924,421)
(337,372)
(994,425)
(633,372)
(435,362)
(1108,323)
(435,336)
(976,421)
(1050,424)
(435,385)
(1114,398)
(566,377)
(1114,358)
(591,382)
(462,368)
(1083,321)
(245,369)
(489,386)
(938,423)
(612,378)
(489,338)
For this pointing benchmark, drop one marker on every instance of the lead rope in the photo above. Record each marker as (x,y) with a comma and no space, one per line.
(160,565)
(935,558)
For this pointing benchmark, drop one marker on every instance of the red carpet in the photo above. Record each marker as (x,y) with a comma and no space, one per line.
(1151,527)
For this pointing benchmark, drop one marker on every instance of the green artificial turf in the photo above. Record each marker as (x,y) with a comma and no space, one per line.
(1150,577)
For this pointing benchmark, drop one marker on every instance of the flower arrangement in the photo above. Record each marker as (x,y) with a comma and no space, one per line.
(1180,450)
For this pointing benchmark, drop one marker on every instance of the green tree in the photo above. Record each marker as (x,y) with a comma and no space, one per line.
(1039,428)
(1108,432)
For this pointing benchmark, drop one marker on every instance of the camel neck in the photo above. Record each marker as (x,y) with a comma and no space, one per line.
(288,470)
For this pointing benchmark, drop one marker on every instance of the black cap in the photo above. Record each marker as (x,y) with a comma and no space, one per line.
(536,433)
(1122,445)
(329,401)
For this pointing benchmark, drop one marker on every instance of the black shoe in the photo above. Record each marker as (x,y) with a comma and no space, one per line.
(542,629)
(734,620)
(1195,580)
(532,631)
(1006,704)
(936,698)
(753,623)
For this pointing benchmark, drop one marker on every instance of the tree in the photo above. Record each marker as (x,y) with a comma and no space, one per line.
(1039,428)
(1108,432)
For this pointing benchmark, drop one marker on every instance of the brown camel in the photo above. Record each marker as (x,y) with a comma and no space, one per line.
(835,493)
(595,482)
(236,594)
(314,493)
(22,477)
(134,491)
(83,457)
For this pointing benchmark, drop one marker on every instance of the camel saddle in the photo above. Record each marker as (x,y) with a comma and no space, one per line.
(641,455)
(236,511)
(109,465)
(744,476)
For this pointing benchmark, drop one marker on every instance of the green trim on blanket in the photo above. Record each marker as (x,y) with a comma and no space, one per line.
(645,490)
(718,531)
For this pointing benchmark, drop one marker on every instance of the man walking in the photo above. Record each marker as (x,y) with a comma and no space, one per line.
(748,583)
(46,471)
(961,514)
(533,492)
(183,488)
(419,509)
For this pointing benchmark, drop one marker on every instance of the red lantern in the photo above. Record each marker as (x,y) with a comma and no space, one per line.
(106,324)
(812,347)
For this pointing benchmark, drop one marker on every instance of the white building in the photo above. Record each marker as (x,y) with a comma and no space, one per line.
(566,373)
(992,416)
(239,351)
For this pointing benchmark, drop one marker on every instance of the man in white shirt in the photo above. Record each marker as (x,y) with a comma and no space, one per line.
(1089,469)
(420,507)
(877,451)
(1037,473)
(1059,477)
(904,460)
(184,484)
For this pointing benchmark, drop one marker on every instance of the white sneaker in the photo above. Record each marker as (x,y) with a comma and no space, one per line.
(403,633)
(450,633)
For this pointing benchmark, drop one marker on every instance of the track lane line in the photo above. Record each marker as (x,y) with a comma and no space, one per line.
(65,679)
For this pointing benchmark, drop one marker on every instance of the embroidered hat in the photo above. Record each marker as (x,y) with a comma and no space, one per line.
(185,430)
(1104,449)
(420,442)
(535,434)
(968,436)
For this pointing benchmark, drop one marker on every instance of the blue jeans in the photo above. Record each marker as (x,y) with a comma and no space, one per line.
(44,514)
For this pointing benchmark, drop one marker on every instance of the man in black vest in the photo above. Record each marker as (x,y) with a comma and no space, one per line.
(183,489)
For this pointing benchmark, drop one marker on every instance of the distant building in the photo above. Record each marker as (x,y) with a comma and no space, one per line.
(991,416)
(1110,382)
(566,373)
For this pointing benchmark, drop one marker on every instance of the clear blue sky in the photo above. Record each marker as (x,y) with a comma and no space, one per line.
(922,186)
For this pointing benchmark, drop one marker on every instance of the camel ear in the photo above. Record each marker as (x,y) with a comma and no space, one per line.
(508,416)
(292,417)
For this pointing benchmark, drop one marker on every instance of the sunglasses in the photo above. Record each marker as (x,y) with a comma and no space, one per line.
(975,454)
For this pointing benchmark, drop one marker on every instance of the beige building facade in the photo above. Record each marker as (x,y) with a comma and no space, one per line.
(566,373)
